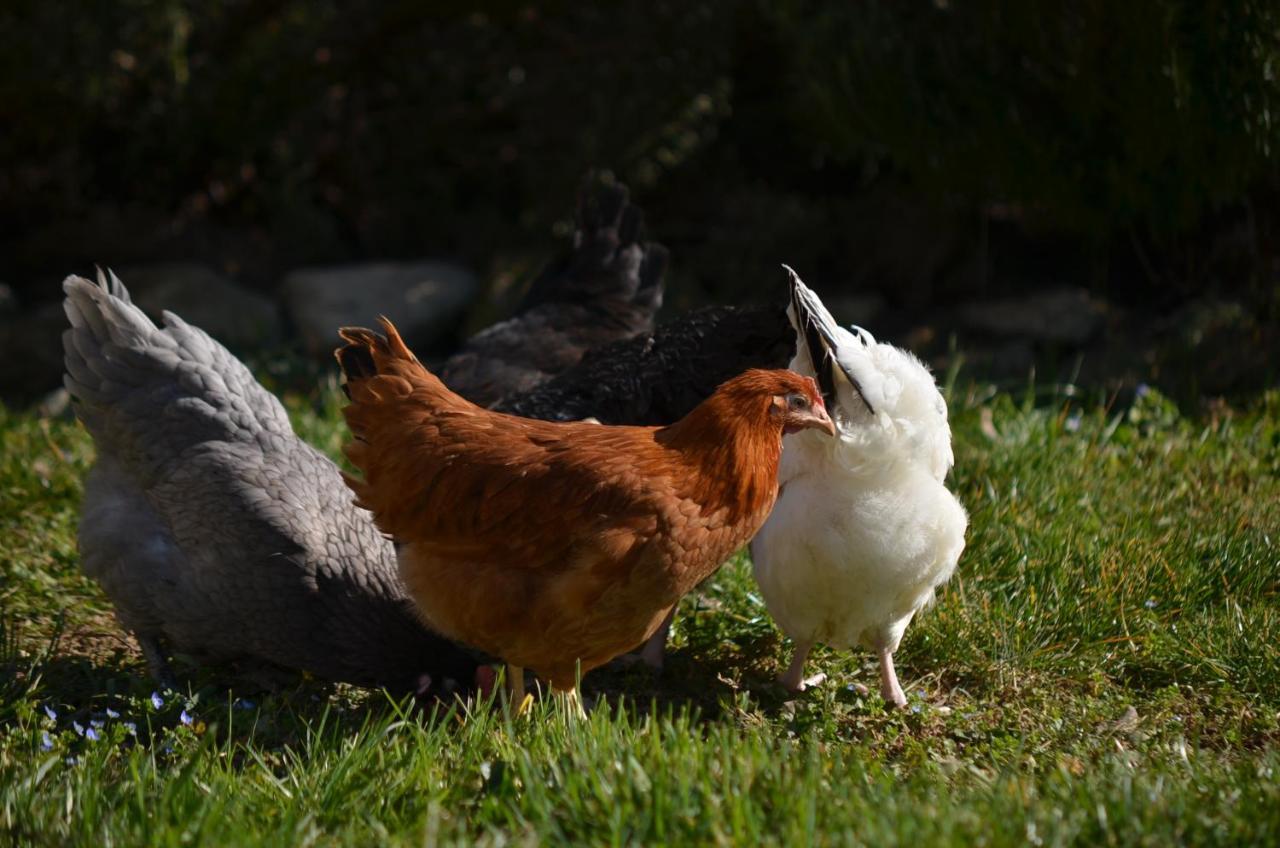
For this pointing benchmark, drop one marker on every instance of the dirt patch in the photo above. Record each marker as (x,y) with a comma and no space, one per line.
(98,637)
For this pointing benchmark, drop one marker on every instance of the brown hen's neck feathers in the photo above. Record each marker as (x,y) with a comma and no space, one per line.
(735,443)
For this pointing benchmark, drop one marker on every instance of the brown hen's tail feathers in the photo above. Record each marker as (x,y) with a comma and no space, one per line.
(366,352)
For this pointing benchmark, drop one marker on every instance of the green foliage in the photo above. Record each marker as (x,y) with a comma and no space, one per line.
(343,129)
(1118,558)
(1088,117)
(857,138)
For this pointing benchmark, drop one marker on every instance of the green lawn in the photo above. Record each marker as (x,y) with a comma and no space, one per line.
(1104,668)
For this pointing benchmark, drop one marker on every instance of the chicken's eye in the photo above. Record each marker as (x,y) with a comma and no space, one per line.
(798,402)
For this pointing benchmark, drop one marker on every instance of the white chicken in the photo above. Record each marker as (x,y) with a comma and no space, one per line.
(864,531)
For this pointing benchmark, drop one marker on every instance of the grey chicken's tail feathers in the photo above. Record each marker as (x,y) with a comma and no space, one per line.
(147,392)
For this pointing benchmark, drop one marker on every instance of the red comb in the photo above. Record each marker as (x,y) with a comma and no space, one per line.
(815,394)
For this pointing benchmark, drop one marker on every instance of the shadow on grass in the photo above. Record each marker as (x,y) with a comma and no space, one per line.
(711,679)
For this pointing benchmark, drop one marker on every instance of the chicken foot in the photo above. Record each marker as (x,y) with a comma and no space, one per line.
(571,701)
(793,679)
(889,687)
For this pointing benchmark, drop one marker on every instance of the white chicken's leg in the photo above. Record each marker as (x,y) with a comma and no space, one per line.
(793,678)
(889,687)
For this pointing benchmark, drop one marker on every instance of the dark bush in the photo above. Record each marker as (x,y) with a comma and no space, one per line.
(906,146)
(1087,116)
(340,129)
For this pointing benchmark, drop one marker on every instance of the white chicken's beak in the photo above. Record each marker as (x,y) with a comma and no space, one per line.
(815,328)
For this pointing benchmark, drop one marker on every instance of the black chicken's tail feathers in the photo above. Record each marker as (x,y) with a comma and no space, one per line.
(610,258)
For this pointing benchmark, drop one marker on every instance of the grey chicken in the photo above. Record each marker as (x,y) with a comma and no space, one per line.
(214,528)
(608,287)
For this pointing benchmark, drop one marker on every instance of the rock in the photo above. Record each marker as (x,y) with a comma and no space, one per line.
(1061,315)
(55,404)
(425,299)
(31,351)
(1221,346)
(239,318)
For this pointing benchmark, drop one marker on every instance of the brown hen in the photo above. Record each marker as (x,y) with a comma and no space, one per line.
(558,546)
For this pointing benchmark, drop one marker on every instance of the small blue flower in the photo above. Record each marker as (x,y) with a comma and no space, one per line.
(1151,603)
(131,727)
(112,713)
(50,712)
(72,761)
(97,722)
(185,718)
(46,743)
(1142,390)
(1072,424)
(91,735)
(915,708)
(156,700)
(78,728)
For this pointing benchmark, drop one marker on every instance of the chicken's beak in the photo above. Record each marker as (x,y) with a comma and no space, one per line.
(818,419)
(814,327)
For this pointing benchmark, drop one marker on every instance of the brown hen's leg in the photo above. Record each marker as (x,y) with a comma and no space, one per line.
(515,683)
(889,687)
(517,699)
(571,700)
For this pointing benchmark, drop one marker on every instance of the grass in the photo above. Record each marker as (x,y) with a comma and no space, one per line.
(1104,669)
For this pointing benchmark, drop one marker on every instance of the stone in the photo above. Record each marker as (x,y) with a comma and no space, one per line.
(1064,315)
(239,318)
(425,299)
